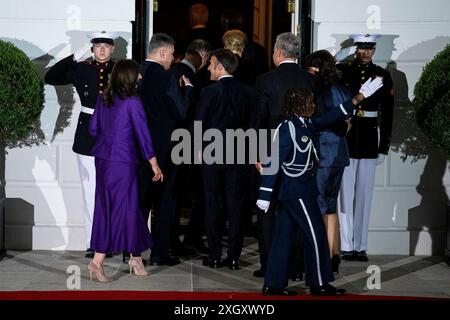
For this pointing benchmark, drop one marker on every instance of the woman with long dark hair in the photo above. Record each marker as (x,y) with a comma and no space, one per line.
(333,149)
(120,128)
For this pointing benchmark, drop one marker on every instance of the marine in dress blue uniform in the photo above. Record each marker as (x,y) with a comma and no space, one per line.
(90,79)
(368,142)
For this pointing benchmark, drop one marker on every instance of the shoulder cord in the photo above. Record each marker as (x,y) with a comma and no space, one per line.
(308,148)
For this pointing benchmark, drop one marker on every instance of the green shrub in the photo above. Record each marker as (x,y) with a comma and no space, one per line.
(21,95)
(432,100)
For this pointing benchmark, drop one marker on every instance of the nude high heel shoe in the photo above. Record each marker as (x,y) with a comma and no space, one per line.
(137,266)
(98,272)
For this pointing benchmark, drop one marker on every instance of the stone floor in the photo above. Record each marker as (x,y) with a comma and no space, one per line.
(48,270)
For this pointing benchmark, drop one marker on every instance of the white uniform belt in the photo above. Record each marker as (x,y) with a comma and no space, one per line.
(87,110)
(365,114)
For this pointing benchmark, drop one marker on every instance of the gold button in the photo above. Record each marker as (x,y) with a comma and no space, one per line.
(101,84)
(363,78)
(100,92)
(101,70)
(101,77)
(363,71)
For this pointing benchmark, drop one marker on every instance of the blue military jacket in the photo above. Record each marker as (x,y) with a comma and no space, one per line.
(296,160)
(333,149)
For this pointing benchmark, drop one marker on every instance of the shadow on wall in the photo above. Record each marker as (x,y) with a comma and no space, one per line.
(384,49)
(20,214)
(426,222)
(412,144)
(20,224)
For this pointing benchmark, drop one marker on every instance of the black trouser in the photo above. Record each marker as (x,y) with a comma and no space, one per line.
(266,226)
(223,193)
(165,205)
(301,213)
(196,226)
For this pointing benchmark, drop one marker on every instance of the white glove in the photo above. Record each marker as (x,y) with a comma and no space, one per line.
(371,86)
(380,159)
(82,54)
(263,205)
(344,53)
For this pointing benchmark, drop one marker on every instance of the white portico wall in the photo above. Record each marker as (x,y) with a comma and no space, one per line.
(408,211)
(46,209)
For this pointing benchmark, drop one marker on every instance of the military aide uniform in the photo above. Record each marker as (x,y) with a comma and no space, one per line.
(369,136)
(296,175)
(90,79)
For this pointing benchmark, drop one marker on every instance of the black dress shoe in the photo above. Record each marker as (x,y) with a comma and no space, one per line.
(326,290)
(232,264)
(89,253)
(169,261)
(348,255)
(361,256)
(211,263)
(335,262)
(271,291)
(258,273)
(296,276)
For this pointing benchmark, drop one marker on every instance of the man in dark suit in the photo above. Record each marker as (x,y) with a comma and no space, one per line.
(165,104)
(272,87)
(227,104)
(188,67)
(192,173)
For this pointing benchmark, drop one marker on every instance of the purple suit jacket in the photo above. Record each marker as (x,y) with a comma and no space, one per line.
(121,130)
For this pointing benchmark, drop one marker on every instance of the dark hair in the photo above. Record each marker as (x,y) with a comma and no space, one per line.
(193,57)
(122,82)
(299,101)
(199,45)
(160,40)
(326,63)
(231,19)
(227,58)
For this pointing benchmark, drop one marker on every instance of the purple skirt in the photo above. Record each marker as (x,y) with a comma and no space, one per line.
(118,222)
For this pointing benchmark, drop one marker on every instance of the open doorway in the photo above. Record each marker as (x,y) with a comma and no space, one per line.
(263,20)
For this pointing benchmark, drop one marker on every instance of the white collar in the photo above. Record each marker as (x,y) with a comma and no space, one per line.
(287,61)
(225,76)
(190,65)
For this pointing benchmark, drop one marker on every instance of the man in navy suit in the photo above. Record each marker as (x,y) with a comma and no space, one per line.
(227,104)
(272,87)
(165,104)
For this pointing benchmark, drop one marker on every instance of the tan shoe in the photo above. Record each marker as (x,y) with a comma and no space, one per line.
(137,266)
(97,270)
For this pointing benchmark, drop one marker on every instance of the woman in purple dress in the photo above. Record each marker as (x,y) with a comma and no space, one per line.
(119,126)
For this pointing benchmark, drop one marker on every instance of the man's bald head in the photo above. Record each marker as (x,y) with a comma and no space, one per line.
(198,15)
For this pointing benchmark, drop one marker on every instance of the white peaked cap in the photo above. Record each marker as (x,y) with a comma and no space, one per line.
(111,36)
(365,38)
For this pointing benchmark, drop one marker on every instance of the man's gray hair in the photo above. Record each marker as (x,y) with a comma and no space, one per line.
(160,40)
(289,44)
